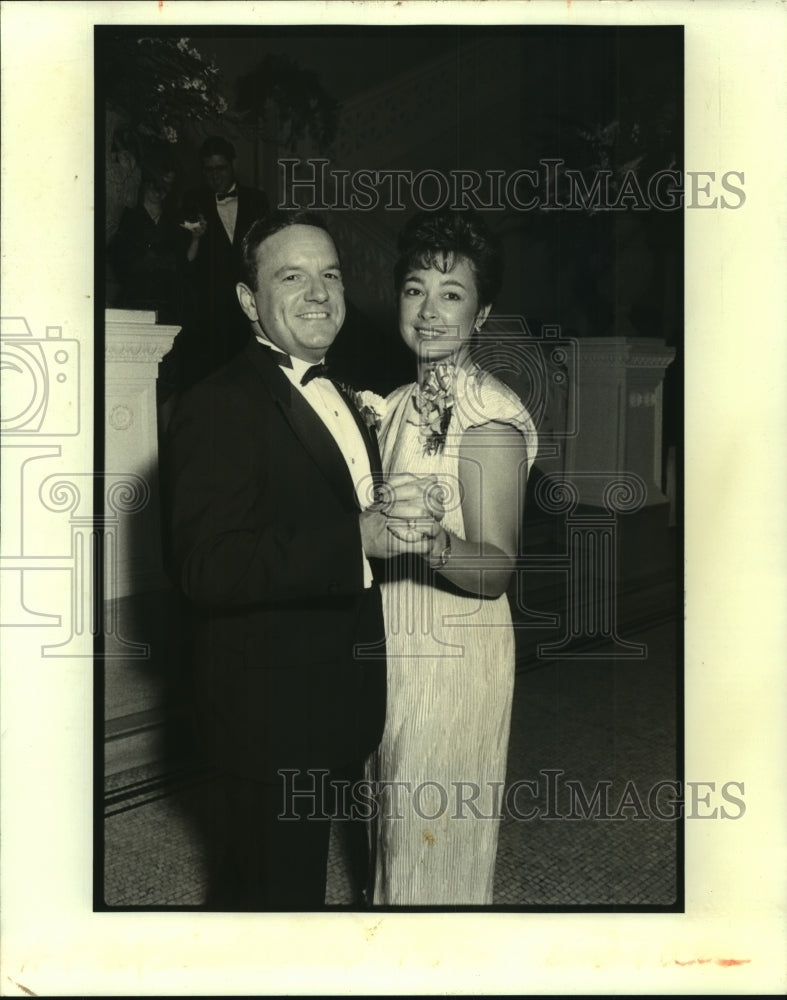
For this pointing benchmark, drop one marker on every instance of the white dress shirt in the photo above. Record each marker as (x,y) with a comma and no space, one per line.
(228,212)
(330,406)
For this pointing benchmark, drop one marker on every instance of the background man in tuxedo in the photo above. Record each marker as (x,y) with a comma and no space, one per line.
(218,216)
(270,466)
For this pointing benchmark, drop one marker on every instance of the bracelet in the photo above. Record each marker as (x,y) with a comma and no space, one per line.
(443,556)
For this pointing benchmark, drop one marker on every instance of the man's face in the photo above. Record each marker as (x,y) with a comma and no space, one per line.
(219,173)
(299,301)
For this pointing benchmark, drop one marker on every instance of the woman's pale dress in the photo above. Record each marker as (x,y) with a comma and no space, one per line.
(450,683)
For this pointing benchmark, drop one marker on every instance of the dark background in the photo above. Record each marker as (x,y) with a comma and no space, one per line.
(504,98)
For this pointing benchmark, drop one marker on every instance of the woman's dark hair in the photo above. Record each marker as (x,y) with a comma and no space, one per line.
(156,164)
(261,229)
(438,239)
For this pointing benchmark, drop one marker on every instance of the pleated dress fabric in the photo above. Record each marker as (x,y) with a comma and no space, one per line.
(450,683)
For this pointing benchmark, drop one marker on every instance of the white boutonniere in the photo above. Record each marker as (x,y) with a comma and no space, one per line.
(371,407)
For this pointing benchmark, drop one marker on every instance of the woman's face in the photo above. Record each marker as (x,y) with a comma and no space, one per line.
(162,185)
(438,312)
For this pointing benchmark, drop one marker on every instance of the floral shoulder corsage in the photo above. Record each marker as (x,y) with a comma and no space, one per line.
(371,407)
(434,402)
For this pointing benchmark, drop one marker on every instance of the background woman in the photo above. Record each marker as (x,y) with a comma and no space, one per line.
(148,252)
(449,633)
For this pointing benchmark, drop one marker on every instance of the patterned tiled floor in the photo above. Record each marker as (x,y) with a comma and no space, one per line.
(591,720)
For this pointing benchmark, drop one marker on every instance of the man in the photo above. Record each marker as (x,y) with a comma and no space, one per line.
(218,216)
(270,466)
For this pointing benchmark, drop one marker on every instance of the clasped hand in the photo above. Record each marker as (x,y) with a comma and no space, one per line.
(405,518)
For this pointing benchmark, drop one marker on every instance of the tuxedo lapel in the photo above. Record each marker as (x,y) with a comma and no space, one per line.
(367,433)
(215,225)
(243,220)
(319,442)
(306,425)
(252,205)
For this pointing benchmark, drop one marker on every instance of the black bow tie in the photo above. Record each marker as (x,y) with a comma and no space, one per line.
(285,361)
(228,196)
(279,357)
(316,371)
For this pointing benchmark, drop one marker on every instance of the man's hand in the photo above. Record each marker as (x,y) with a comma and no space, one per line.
(383,537)
(406,517)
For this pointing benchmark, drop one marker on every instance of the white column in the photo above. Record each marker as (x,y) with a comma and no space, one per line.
(617,399)
(134,344)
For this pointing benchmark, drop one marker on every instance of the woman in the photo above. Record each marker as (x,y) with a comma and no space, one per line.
(149,251)
(450,641)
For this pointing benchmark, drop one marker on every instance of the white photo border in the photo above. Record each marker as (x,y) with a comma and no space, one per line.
(730,939)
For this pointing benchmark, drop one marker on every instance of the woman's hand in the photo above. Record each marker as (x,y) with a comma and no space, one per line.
(198,228)
(405,495)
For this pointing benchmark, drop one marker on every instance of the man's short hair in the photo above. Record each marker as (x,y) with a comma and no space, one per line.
(217,145)
(267,226)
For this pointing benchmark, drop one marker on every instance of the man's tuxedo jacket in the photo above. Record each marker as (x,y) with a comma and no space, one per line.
(216,251)
(215,325)
(267,547)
